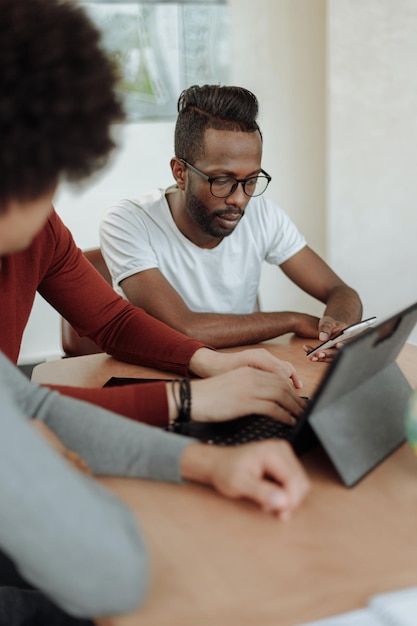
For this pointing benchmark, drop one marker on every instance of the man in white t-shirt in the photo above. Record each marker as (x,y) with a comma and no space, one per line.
(191,255)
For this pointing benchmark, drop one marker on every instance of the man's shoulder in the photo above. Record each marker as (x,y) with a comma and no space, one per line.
(264,203)
(145,201)
(266,225)
(264,210)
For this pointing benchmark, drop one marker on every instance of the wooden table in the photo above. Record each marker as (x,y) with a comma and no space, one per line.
(223,563)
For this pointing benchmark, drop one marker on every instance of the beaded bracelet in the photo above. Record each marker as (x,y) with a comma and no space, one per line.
(183,404)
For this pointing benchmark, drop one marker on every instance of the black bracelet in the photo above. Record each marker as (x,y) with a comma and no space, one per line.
(183,404)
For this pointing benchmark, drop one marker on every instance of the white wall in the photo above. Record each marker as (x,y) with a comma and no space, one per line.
(372,149)
(338,94)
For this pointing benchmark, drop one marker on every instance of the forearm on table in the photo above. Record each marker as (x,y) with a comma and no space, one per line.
(227,330)
(126,332)
(142,339)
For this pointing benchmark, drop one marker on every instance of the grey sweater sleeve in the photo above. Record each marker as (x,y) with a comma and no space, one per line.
(111,444)
(68,536)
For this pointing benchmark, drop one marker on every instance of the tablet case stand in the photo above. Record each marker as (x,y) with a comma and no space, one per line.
(359,416)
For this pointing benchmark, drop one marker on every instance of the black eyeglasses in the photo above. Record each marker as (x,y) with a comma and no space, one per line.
(224,186)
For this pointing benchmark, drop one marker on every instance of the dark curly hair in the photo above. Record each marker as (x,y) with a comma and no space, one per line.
(212,106)
(57,98)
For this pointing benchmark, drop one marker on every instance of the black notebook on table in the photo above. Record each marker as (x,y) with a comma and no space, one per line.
(356,413)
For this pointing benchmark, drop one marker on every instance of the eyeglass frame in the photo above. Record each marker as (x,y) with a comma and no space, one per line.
(242,181)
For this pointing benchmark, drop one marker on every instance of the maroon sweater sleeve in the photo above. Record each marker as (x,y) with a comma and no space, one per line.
(73,287)
(143,402)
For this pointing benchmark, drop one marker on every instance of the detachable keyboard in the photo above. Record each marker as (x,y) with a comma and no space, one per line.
(249,428)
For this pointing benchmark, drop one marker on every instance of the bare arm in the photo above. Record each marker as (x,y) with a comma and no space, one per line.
(151,291)
(343,305)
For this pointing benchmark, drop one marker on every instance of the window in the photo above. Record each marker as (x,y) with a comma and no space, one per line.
(162,48)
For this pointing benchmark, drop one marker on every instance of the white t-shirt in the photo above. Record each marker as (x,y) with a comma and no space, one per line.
(139,234)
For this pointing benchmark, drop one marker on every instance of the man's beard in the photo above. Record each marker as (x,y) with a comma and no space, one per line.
(206,220)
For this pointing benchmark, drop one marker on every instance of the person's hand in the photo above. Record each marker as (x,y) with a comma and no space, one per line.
(241,392)
(305,325)
(54,441)
(328,328)
(323,356)
(206,363)
(267,473)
